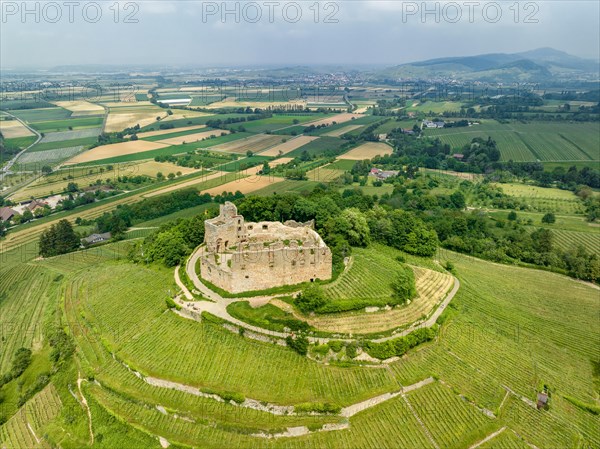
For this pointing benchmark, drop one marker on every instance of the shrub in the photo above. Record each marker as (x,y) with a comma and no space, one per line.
(321,349)
(398,346)
(336,345)
(310,299)
(235,397)
(317,407)
(298,344)
(172,304)
(351,349)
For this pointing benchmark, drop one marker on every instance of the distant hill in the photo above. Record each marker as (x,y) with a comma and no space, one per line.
(533,65)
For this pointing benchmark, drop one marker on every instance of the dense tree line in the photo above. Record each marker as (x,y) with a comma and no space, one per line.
(60,238)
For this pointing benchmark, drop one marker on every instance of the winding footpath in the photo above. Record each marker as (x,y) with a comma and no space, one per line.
(217,305)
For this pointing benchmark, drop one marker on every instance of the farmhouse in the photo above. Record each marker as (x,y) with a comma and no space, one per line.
(430,124)
(242,256)
(383,174)
(96,238)
(6,213)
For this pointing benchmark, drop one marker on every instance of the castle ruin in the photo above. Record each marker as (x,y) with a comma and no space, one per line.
(241,256)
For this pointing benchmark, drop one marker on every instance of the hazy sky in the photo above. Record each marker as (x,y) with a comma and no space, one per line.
(342,32)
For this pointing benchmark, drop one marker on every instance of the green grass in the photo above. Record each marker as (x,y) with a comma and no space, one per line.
(267,316)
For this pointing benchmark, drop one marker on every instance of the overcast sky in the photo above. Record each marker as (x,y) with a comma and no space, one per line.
(343,32)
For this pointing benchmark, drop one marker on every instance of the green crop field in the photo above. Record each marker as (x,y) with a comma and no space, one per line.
(567,240)
(435,106)
(319,146)
(532,141)
(83,141)
(42,115)
(277,122)
(64,125)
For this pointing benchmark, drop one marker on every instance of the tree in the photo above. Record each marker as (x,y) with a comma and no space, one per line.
(60,238)
(549,218)
(352,225)
(168,248)
(46,170)
(249,153)
(512,215)
(72,187)
(403,285)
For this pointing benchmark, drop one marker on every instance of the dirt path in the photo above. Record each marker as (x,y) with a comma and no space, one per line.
(353,409)
(218,306)
(181,285)
(87,408)
(488,438)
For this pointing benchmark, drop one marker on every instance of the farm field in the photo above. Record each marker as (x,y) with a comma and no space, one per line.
(369,278)
(324,174)
(245,185)
(13,128)
(474,339)
(167,133)
(529,142)
(436,107)
(122,116)
(69,135)
(81,107)
(343,130)
(255,144)
(116,149)
(189,138)
(36,159)
(206,180)
(280,161)
(277,122)
(288,146)
(568,240)
(320,146)
(338,118)
(367,151)
(58,181)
